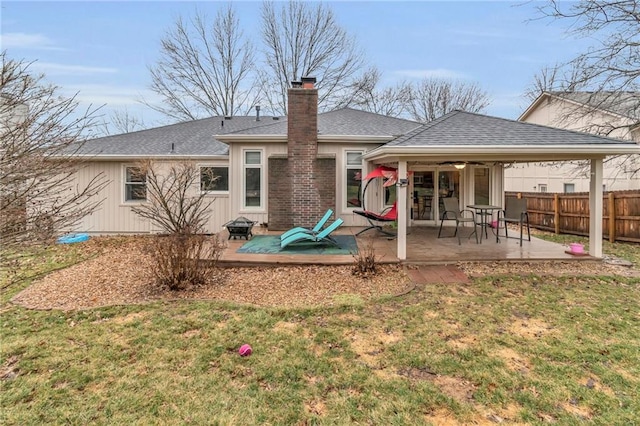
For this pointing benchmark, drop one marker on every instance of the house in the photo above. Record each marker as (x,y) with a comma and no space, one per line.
(286,171)
(604,113)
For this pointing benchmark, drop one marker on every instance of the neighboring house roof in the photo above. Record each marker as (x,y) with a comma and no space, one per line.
(626,104)
(190,138)
(623,104)
(343,122)
(471,136)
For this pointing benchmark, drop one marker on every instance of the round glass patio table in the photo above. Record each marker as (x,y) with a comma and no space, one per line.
(485,211)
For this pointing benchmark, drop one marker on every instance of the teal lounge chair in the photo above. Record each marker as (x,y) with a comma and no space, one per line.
(320,237)
(315,229)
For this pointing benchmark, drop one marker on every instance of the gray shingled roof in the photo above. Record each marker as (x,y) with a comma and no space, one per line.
(190,138)
(345,122)
(626,104)
(459,128)
(197,138)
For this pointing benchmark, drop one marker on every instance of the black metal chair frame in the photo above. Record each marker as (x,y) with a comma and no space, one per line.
(391,215)
(458,216)
(519,216)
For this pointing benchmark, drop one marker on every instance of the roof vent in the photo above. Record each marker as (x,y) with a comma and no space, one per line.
(257,112)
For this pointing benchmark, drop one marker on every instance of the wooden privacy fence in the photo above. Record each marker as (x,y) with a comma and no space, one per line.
(564,213)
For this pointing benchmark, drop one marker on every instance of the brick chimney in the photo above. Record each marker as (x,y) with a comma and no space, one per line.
(302,187)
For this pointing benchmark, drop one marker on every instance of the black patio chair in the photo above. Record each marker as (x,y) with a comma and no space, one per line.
(452,212)
(515,211)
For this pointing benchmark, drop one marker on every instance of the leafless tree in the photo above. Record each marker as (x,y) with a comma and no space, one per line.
(205,68)
(608,72)
(366,95)
(305,39)
(40,131)
(606,76)
(432,98)
(612,64)
(120,121)
(175,203)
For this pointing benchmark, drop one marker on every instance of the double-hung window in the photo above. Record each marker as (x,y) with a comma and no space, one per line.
(214,179)
(353,181)
(252,179)
(135,184)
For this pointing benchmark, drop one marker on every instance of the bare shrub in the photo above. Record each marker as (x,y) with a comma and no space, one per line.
(366,262)
(184,260)
(175,203)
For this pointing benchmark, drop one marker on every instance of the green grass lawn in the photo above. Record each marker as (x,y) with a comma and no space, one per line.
(520,349)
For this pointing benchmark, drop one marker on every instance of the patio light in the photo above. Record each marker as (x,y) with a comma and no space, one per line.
(459,166)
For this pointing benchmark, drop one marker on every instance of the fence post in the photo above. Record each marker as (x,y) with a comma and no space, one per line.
(556,212)
(612,217)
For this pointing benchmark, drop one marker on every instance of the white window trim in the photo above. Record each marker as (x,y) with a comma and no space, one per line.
(123,187)
(213,165)
(261,207)
(345,168)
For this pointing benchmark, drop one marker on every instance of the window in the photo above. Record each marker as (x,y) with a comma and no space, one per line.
(353,179)
(252,178)
(569,187)
(214,178)
(390,195)
(135,184)
(481,185)
(542,187)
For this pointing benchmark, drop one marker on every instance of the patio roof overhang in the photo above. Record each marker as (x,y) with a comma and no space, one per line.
(502,153)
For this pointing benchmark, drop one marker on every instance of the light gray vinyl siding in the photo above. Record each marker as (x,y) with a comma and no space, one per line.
(115,216)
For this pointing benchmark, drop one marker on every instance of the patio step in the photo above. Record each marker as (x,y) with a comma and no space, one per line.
(436,274)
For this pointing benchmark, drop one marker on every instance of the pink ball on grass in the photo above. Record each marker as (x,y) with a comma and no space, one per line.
(245,350)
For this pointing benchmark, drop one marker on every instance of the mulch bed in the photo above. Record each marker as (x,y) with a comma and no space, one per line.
(120,274)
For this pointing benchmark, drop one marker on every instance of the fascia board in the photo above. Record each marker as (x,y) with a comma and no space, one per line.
(355,138)
(533,106)
(571,151)
(115,157)
(321,138)
(250,138)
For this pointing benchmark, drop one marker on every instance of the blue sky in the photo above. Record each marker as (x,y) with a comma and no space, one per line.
(103,49)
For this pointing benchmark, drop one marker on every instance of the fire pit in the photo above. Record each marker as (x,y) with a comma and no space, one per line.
(240,227)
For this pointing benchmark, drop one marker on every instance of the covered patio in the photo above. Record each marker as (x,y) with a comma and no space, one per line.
(460,139)
(423,247)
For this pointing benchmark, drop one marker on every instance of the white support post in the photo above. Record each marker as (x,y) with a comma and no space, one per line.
(402,211)
(595,209)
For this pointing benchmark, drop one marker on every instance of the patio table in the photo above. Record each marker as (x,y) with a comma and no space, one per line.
(485,211)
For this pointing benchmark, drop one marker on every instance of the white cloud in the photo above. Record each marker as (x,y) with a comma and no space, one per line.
(113,96)
(431,73)
(50,68)
(27,41)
